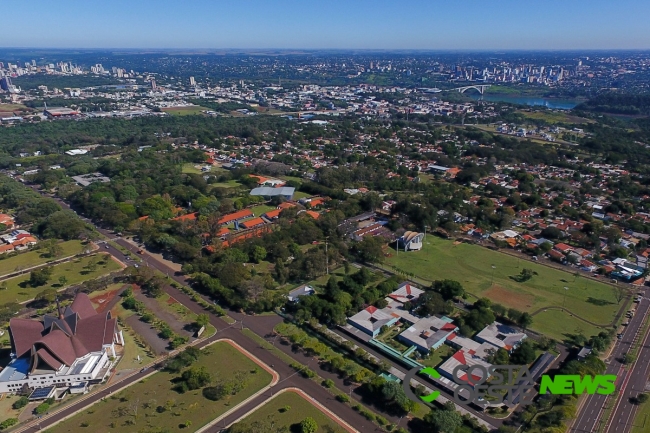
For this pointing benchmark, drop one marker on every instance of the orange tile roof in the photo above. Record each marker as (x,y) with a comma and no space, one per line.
(223,231)
(253,223)
(5,248)
(244,213)
(186,217)
(313,214)
(273,213)
(260,179)
(286,205)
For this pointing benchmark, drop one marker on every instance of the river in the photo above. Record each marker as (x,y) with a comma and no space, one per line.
(559,104)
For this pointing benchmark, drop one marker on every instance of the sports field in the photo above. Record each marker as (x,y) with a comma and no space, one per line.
(184,111)
(471,265)
(153,405)
(288,410)
(76,271)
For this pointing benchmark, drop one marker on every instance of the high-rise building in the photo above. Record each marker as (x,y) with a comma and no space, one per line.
(153,84)
(5,84)
(192,81)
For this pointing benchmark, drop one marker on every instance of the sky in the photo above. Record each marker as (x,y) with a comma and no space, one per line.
(328,24)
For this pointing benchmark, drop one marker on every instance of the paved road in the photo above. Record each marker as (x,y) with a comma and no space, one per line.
(634,383)
(589,417)
(288,376)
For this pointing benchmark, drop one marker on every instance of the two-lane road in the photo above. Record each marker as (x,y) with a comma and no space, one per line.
(589,417)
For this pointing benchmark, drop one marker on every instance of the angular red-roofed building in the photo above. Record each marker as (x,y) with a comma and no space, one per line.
(76,346)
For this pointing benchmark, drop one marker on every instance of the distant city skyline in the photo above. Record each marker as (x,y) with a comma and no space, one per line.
(335,24)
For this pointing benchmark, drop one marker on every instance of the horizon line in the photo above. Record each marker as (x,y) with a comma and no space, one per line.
(481,50)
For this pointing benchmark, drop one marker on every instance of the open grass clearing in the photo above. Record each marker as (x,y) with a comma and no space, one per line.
(262,209)
(471,265)
(289,409)
(116,413)
(190,167)
(553,117)
(75,271)
(29,259)
(229,184)
(184,111)
(134,355)
(299,194)
(13,107)
(6,411)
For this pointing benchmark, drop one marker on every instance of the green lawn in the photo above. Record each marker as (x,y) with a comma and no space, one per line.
(261,209)
(275,413)
(18,290)
(299,194)
(34,258)
(436,358)
(159,406)
(6,411)
(133,349)
(471,265)
(288,178)
(229,184)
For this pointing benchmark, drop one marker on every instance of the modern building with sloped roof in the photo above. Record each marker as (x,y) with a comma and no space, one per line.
(75,346)
(428,333)
(501,336)
(371,319)
(411,241)
(269,192)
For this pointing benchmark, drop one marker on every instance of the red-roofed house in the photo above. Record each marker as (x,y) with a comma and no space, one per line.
(563,248)
(7,220)
(255,222)
(235,216)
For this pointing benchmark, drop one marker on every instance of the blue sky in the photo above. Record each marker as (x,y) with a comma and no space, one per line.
(357,24)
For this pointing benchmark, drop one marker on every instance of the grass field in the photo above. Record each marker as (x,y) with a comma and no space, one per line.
(161,408)
(18,290)
(13,107)
(189,167)
(471,265)
(274,413)
(553,117)
(6,411)
(35,258)
(230,184)
(131,352)
(184,111)
(261,209)
(299,194)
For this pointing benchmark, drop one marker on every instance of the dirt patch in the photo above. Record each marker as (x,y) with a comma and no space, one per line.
(509,298)
(102,301)
(171,301)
